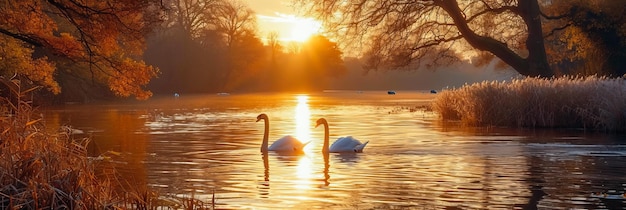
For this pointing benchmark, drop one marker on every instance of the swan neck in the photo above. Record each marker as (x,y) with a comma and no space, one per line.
(265,144)
(326,138)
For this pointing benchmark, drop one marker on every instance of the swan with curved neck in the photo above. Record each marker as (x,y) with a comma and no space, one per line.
(285,144)
(342,144)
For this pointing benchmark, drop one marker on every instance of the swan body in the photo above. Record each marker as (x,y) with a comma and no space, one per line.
(341,145)
(285,144)
(347,144)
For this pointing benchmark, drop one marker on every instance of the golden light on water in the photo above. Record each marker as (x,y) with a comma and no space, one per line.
(304,173)
(303,132)
(303,120)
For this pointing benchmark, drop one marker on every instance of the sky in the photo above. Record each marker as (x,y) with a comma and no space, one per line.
(282,17)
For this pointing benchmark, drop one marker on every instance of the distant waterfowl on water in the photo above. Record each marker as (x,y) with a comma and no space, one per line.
(609,196)
(284,144)
(342,144)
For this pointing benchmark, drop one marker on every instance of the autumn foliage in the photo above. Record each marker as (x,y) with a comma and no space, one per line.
(41,39)
(587,37)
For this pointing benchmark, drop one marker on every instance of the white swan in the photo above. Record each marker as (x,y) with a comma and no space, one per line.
(342,144)
(285,144)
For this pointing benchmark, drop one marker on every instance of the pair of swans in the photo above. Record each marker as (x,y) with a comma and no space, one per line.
(291,144)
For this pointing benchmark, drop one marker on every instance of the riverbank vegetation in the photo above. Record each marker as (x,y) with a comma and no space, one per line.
(590,103)
(43,170)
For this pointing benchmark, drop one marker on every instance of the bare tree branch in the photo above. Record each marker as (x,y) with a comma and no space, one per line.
(554,30)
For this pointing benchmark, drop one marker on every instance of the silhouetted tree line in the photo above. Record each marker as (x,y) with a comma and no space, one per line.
(85,50)
(222,52)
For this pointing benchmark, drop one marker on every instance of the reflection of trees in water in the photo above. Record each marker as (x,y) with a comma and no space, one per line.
(560,177)
(441,180)
(110,130)
(561,169)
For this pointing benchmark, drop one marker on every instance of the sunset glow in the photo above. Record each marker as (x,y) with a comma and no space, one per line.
(290,28)
(303,29)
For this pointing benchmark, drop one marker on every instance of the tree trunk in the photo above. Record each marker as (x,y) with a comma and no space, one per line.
(537,59)
(536,64)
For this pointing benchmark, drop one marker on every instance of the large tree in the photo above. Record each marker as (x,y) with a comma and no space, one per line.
(399,33)
(191,16)
(205,45)
(322,58)
(586,36)
(101,38)
(236,23)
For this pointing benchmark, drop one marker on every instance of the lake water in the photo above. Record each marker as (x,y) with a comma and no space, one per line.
(209,144)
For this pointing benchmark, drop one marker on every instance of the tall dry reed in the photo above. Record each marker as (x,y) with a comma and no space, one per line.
(595,103)
(39,170)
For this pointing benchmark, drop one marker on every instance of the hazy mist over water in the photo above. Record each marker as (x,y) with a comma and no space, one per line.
(423,79)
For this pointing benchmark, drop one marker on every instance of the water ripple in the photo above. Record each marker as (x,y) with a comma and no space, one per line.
(209,144)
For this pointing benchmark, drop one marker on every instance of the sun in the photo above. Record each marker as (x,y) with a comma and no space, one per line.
(303,28)
(290,28)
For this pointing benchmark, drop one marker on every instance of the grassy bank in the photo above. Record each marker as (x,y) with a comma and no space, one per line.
(593,103)
(43,170)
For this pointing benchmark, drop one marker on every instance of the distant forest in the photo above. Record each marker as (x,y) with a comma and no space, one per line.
(84,51)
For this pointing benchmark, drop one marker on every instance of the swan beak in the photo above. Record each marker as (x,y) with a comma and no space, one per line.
(316,125)
(258,119)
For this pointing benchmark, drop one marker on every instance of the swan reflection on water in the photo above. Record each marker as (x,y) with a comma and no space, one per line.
(303,167)
(345,157)
(287,159)
(326,169)
(264,186)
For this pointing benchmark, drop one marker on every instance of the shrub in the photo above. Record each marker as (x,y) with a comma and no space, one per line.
(597,103)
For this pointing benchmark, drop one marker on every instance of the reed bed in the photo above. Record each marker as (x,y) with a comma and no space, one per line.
(43,170)
(590,103)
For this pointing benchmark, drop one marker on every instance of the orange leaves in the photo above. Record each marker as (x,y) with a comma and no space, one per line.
(17,59)
(66,45)
(98,37)
(42,71)
(130,78)
(25,17)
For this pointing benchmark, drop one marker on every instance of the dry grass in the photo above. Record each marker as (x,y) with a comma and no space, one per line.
(594,103)
(40,170)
